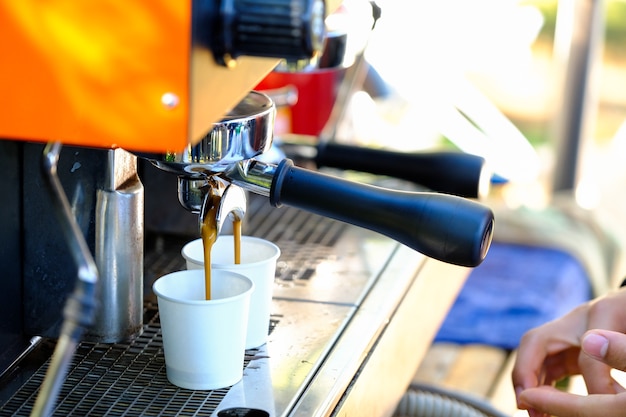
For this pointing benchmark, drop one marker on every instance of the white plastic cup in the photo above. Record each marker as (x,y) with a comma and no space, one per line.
(203,340)
(258,262)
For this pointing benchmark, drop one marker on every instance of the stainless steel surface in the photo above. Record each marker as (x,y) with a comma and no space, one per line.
(245,132)
(358,338)
(192,193)
(232,206)
(298,345)
(201,195)
(345,37)
(252,175)
(337,288)
(335,55)
(119,251)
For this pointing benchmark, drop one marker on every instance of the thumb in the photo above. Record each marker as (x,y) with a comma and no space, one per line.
(606,346)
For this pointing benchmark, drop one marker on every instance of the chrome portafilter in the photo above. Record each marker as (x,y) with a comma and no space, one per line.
(244,133)
(449,228)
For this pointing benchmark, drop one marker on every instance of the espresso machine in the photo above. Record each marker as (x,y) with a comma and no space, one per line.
(111,104)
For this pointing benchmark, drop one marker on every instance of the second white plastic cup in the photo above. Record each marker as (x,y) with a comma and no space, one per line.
(258,262)
(203,340)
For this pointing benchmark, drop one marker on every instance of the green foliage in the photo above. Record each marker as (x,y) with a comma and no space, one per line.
(615,29)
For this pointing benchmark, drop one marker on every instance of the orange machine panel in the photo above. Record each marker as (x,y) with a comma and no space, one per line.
(113,73)
(99,73)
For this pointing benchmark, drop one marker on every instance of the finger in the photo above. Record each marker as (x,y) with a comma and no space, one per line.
(551,401)
(543,342)
(608,350)
(527,370)
(606,314)
(597,375)
(560,365)
(554,368)
(606,346)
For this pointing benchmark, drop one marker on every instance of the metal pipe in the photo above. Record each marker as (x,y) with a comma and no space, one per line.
(119,251)
(578,41)
(80,307)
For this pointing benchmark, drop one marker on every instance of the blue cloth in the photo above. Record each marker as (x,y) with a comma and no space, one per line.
(515,288)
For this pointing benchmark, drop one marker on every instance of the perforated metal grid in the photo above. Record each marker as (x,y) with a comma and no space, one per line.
(130,379)
(305,239)
(121,380)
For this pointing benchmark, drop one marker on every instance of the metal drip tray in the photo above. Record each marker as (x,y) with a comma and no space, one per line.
(119,379)
(336,288)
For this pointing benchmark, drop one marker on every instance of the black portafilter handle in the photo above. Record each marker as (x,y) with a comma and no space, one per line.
(448,172)
(449,228)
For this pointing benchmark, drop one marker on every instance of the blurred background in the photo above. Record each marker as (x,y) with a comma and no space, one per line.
(539,89)
(500,79)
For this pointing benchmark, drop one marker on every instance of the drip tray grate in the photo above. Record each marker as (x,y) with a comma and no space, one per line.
(325,269)
(121,380)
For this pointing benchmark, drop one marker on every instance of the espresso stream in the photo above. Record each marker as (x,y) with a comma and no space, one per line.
(208,231)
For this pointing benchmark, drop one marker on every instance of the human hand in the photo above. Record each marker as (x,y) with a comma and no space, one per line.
(553,351)
(605,347)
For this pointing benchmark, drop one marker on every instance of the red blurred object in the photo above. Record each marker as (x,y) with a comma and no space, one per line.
(315,94)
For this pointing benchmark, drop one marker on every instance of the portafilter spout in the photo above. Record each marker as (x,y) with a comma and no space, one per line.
(448,228)
(245,132)
(221,201)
